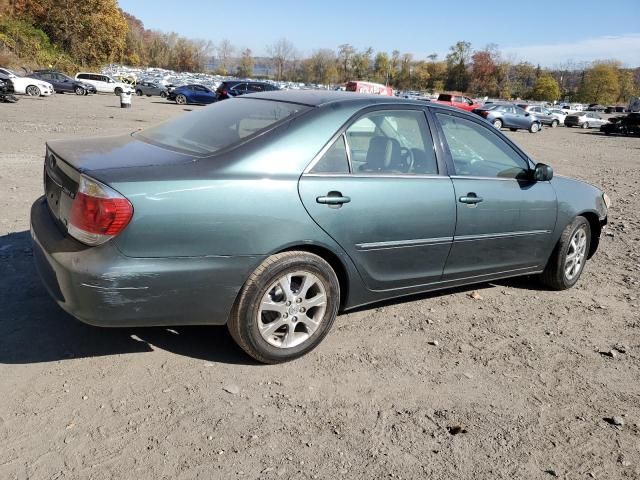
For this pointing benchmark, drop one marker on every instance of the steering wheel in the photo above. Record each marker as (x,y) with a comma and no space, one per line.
(406,154)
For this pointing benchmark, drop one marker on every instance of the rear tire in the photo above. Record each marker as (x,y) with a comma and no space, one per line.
(269,320)
(139,93)
(118,91)
(554,123)
(569,256)
(163,94)
(585,125)
(181,99)
(497,123)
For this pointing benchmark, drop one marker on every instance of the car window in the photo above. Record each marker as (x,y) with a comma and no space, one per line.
(479,152)
(518,110)
(396,142)
(255,87)
(220,125)
(457,99)
(334,160)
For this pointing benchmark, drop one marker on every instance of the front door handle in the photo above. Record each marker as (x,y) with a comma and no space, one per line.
(470,199)
(333,199)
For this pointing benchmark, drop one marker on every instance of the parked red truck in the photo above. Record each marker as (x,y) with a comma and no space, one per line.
(457,100)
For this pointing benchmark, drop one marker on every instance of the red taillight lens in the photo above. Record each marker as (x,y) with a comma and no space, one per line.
(485,113)
(98,212)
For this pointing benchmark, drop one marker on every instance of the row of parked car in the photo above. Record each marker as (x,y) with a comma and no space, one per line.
(42,83)
(533,117)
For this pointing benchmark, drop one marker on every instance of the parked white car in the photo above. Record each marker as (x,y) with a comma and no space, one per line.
(25,85)
(104,83)
(559,115)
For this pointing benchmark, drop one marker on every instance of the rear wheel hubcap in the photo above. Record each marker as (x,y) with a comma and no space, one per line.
(292,309)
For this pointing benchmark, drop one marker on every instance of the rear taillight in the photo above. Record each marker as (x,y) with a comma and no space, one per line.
(98,212)
(484,113)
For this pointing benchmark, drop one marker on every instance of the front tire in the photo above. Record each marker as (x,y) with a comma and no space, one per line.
(286,307)
(163,94)
(117,91)
(33,91)
(569,257)
(534,128)
(139,93)
(554,123)
(79,91)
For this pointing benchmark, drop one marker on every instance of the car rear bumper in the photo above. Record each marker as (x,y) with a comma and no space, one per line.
(103,287)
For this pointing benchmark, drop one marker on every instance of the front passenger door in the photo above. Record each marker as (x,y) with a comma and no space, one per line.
(504,219)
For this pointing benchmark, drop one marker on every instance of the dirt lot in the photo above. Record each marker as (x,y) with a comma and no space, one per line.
(519,369)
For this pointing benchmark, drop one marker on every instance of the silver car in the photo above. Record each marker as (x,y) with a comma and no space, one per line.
(584,120)
(150,88)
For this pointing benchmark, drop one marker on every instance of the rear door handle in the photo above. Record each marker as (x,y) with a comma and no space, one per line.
(333,199)
(470,199)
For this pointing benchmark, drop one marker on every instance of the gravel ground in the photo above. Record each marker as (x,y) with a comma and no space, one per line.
(498,381)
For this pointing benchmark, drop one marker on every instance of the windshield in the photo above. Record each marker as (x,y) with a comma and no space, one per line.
(220,125)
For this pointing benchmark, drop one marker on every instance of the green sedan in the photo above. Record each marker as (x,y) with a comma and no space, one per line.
(273,212)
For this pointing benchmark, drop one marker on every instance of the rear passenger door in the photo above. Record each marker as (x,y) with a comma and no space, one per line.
(504,219)
(378,190)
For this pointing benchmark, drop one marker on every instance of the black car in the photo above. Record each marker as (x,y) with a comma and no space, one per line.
(62,83)
(625,125)
(233,88)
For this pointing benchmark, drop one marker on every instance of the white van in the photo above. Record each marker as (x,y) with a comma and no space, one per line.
(104,83)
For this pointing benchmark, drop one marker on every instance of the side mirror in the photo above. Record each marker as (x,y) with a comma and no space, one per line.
(542,173)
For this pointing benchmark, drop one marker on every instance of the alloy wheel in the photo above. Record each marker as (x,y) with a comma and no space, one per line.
(576,254)
(33,91)
(292,309)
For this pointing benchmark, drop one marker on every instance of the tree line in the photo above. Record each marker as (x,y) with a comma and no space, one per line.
(69,34)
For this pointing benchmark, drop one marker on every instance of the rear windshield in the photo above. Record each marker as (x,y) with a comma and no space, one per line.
(445,97)
(220,125)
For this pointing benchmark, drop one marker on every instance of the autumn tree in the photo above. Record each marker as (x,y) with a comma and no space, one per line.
(457,64)
(345,56)
(322,67)
(382,67)
(483,73)
(600,84)
(93,31)
(245,68)
(545,88)
(360,63)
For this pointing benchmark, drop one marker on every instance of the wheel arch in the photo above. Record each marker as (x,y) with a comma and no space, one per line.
(332,259)
(596,230)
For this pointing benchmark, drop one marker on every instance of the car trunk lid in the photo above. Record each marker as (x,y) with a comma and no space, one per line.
(66,160)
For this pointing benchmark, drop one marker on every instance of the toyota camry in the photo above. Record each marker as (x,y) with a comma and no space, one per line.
(272,212)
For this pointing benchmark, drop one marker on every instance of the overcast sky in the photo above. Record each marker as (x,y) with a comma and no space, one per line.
(544,32)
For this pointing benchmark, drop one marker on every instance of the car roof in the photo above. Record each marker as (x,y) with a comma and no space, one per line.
(319,98)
